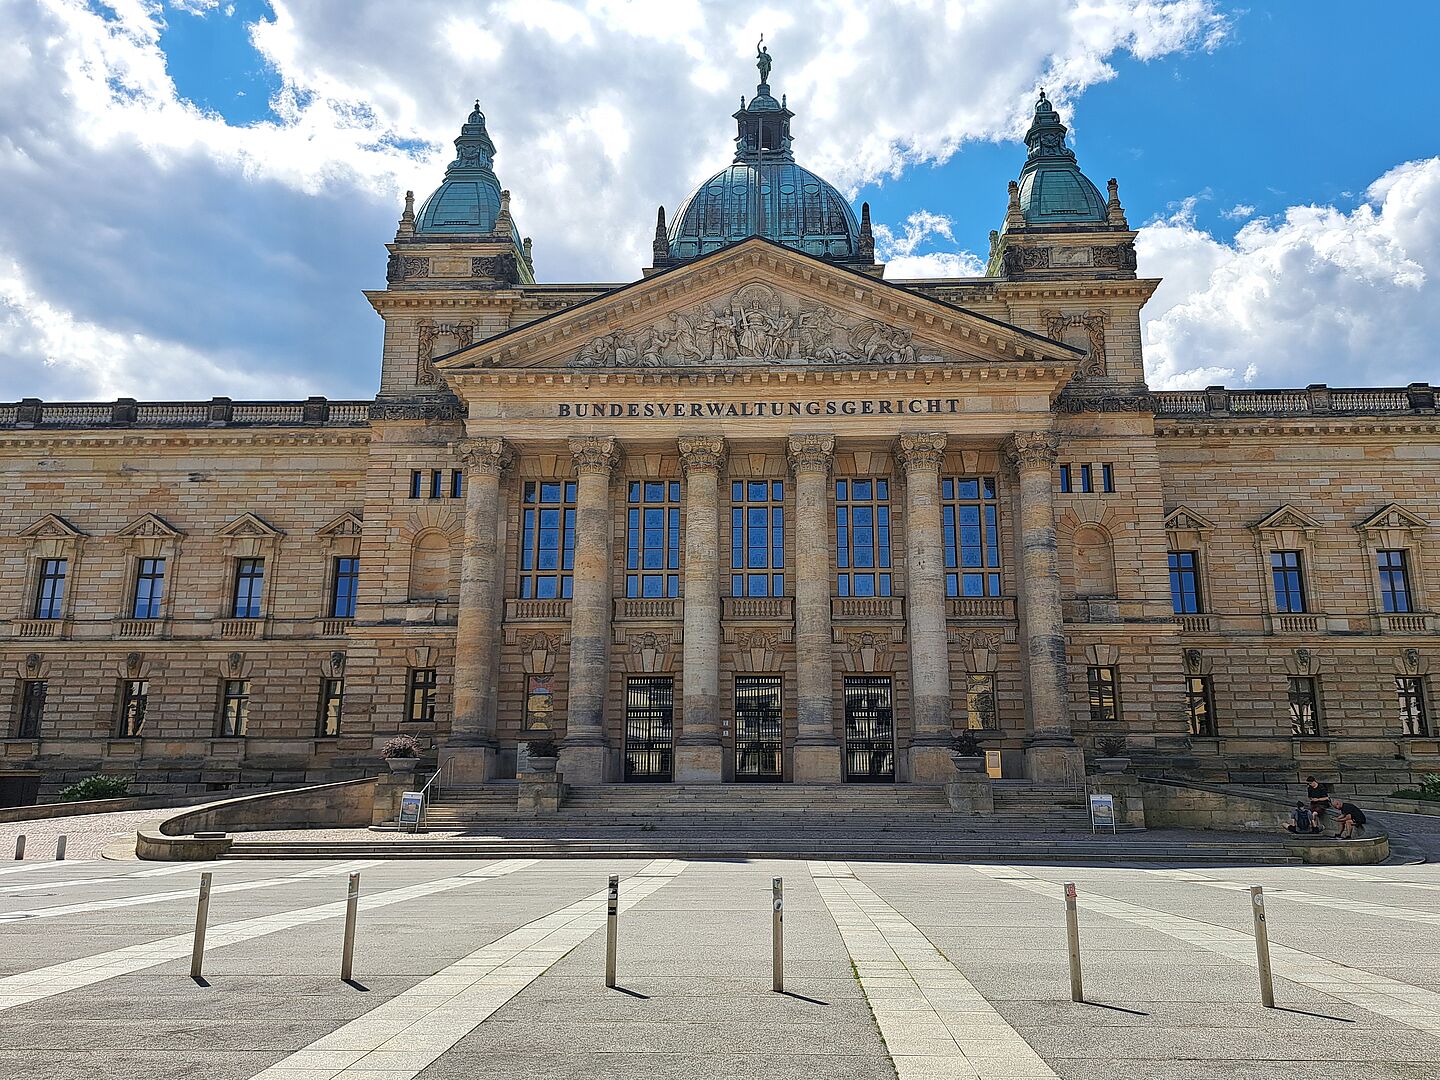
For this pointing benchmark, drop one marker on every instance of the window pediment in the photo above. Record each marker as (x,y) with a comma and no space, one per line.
(1287,521)
(149,527)
(249,525)
(52,527)
(347,524)
(1183,519)
(1392,526)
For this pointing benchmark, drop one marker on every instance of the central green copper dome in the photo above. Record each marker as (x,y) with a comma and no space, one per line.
(1053,190)
(765,193)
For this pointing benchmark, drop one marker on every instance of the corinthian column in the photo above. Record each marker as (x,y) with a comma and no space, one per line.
(920,456)
(471,745)
(698,756)
(817,751)
(585,754)
(1051,753)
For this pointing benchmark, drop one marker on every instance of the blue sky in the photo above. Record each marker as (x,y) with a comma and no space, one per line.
(203,187)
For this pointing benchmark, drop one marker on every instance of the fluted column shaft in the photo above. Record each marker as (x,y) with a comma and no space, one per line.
(921,455)
(477,622)
(817,750)
(585,752)
(698,756)
(1051,752)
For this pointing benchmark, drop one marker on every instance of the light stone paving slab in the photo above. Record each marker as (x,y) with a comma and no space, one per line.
(1413,1006)
(1298,896)
(92,906)
(341,869)
(399,1039)
(934,1022)
(46,982)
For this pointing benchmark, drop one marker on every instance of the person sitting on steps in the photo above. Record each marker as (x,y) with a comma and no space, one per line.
(1301,820)
(1351,818)
(1319,795)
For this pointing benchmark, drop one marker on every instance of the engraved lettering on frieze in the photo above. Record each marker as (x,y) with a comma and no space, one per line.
(756,323)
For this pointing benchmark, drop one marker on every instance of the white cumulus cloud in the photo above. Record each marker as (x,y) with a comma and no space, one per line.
(1318,294)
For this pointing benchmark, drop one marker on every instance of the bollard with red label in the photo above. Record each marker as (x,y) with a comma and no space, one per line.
(1072,933)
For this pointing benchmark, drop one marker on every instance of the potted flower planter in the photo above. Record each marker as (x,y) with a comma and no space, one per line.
(1110,755)
(541,755)
(1112,764)
(966,753)
(402,754)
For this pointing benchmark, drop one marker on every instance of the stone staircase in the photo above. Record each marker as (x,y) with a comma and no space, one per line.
(775,821)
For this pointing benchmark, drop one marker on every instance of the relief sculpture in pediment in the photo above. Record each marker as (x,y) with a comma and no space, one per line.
(755,324)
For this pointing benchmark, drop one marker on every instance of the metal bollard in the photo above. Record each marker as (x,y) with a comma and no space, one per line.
(19,847)
(1072,934)
(202,914)
(777,935)
(352,906)
(612,928)
(1262,946)
(60,849)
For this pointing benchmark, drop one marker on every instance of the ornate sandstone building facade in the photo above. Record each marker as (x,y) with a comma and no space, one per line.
(761,514)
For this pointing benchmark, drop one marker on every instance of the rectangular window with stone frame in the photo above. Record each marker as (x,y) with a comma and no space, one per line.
(344,587)
(547,539)
(1185,594)
(1288,576)
(332,701)
(420,706)
(1200,706)
(1303,693)
(981,713)
(134,698)
(862,537)
(970,529)
(32,708)
(1410,695)
(234,708)
(652,539)
(757,538)
(1394,581)
(149,595)
(249,589)
(1103,687)
(50,589)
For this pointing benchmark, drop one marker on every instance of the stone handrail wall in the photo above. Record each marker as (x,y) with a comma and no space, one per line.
(1316,400)
(217,412)
(349,803)
(45,811)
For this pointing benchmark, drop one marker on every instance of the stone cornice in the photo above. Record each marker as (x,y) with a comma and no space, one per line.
(1170,427)
(1140,288)
(1048,376)
(100,439)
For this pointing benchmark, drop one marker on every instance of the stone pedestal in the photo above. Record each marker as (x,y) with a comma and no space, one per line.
(970,793)
(541,792)
(467,766)
(584,753)
(1129,797)
(699,758)
(388,786)
(1051,753)
(817,749)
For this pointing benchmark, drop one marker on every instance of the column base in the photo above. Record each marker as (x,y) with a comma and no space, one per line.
(702,763)
(1054,759)
(931,765)
(467,765)
(585,765)
(817,764)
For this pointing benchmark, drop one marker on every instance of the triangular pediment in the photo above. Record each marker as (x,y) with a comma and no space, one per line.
(149,525)
(1286,517)
(1393,516)
(760,304)
(248,524)
(1183,518)
(51,527)
(347,524)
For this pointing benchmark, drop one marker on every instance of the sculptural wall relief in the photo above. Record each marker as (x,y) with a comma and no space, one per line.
(755,324)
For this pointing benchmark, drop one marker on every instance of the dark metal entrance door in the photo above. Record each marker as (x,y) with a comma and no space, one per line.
(649,728)
(869,729)
(759,728)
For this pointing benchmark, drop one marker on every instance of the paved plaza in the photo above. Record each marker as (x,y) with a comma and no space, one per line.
(495,968)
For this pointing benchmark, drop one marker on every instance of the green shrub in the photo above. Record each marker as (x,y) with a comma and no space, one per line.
(96,787)
(1430,786)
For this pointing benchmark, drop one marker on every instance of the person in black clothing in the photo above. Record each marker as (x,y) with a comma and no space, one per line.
(1351,818)
(1319,800)
(1301,820)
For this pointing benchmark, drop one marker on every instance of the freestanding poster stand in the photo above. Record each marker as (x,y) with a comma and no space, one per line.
(1102,812)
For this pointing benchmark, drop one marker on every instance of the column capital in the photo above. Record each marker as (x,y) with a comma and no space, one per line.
(1033,450)
(811,453)
(595,453)
(701,452)
(486,455)
(921,450)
